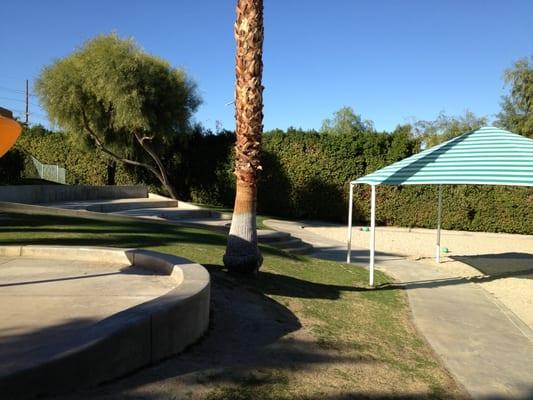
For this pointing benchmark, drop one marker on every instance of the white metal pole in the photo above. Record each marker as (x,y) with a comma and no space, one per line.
(350,207)
(372,233)
(439,219)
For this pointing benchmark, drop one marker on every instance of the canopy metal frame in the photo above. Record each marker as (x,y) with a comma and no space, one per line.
(372,246)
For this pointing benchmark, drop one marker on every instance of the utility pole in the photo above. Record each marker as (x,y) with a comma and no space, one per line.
(27,113)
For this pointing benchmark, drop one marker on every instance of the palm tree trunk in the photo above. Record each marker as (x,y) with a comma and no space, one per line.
(242,254)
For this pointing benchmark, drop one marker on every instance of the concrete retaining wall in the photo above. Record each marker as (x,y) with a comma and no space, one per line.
(124,342)
(31,194)
(32,209)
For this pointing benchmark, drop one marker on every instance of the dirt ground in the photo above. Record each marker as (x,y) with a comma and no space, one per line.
(501,263)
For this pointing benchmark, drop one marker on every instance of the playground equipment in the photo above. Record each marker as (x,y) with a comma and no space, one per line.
(9,131)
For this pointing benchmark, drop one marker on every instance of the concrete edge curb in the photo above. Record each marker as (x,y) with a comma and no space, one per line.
(32,209)
(127,341)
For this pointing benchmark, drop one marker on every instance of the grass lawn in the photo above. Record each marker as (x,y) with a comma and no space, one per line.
(310,329)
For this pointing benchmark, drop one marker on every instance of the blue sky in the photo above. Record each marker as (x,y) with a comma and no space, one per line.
(389,60)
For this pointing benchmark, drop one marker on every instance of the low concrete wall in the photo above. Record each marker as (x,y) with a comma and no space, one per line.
(32,209)
(31,194)
(124,342)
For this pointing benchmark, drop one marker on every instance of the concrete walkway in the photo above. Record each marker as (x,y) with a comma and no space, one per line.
(485,346)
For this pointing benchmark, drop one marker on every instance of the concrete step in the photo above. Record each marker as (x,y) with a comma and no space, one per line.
(113,207)
(175,214)
(290,243)
(270,236)
(304,248)
(283,241)
(287,242)
(280,240)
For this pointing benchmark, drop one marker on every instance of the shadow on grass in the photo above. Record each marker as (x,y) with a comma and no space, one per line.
(282,285)
(21,229)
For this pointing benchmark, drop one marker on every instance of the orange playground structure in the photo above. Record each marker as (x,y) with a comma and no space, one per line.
(9,131)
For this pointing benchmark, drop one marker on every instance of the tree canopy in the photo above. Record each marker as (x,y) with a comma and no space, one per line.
(346,121)
(517,107)
(121,100)
(446,127)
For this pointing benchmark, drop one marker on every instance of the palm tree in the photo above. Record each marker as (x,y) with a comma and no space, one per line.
(242,254)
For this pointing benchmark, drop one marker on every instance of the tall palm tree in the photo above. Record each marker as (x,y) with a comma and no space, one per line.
(242,254)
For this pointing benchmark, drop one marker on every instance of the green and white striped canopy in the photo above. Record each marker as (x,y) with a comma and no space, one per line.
(486,156)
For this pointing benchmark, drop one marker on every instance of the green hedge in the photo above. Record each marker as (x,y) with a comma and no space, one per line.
(469,208)
(305,175)
(83,167)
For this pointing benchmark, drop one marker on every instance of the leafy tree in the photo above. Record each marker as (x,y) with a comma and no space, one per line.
(446,127)
(242,253)
(517,107)
(346,121)
(120,100)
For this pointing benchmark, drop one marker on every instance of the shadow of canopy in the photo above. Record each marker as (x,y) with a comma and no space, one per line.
(510,264)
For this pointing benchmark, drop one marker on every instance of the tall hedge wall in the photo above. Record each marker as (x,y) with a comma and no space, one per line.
(306,175)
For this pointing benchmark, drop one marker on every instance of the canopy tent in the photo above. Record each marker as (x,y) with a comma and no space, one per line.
(486,156)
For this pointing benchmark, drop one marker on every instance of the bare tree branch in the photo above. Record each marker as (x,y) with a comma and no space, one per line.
(101,146)
(157,160)
(150,138)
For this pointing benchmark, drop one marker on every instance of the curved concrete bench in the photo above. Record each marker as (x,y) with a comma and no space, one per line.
(126,341)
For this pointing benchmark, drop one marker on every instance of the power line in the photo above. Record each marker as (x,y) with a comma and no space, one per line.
(12,90)
(12,99)
(17,91)
(19,100)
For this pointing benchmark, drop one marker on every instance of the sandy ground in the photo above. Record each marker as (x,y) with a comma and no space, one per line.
(501,263)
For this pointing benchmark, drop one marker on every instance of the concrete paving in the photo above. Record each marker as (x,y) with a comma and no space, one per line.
(484,345)
(48,304)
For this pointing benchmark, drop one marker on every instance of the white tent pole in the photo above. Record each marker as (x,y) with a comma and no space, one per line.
(439,220)
(372,233)
(350,207)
